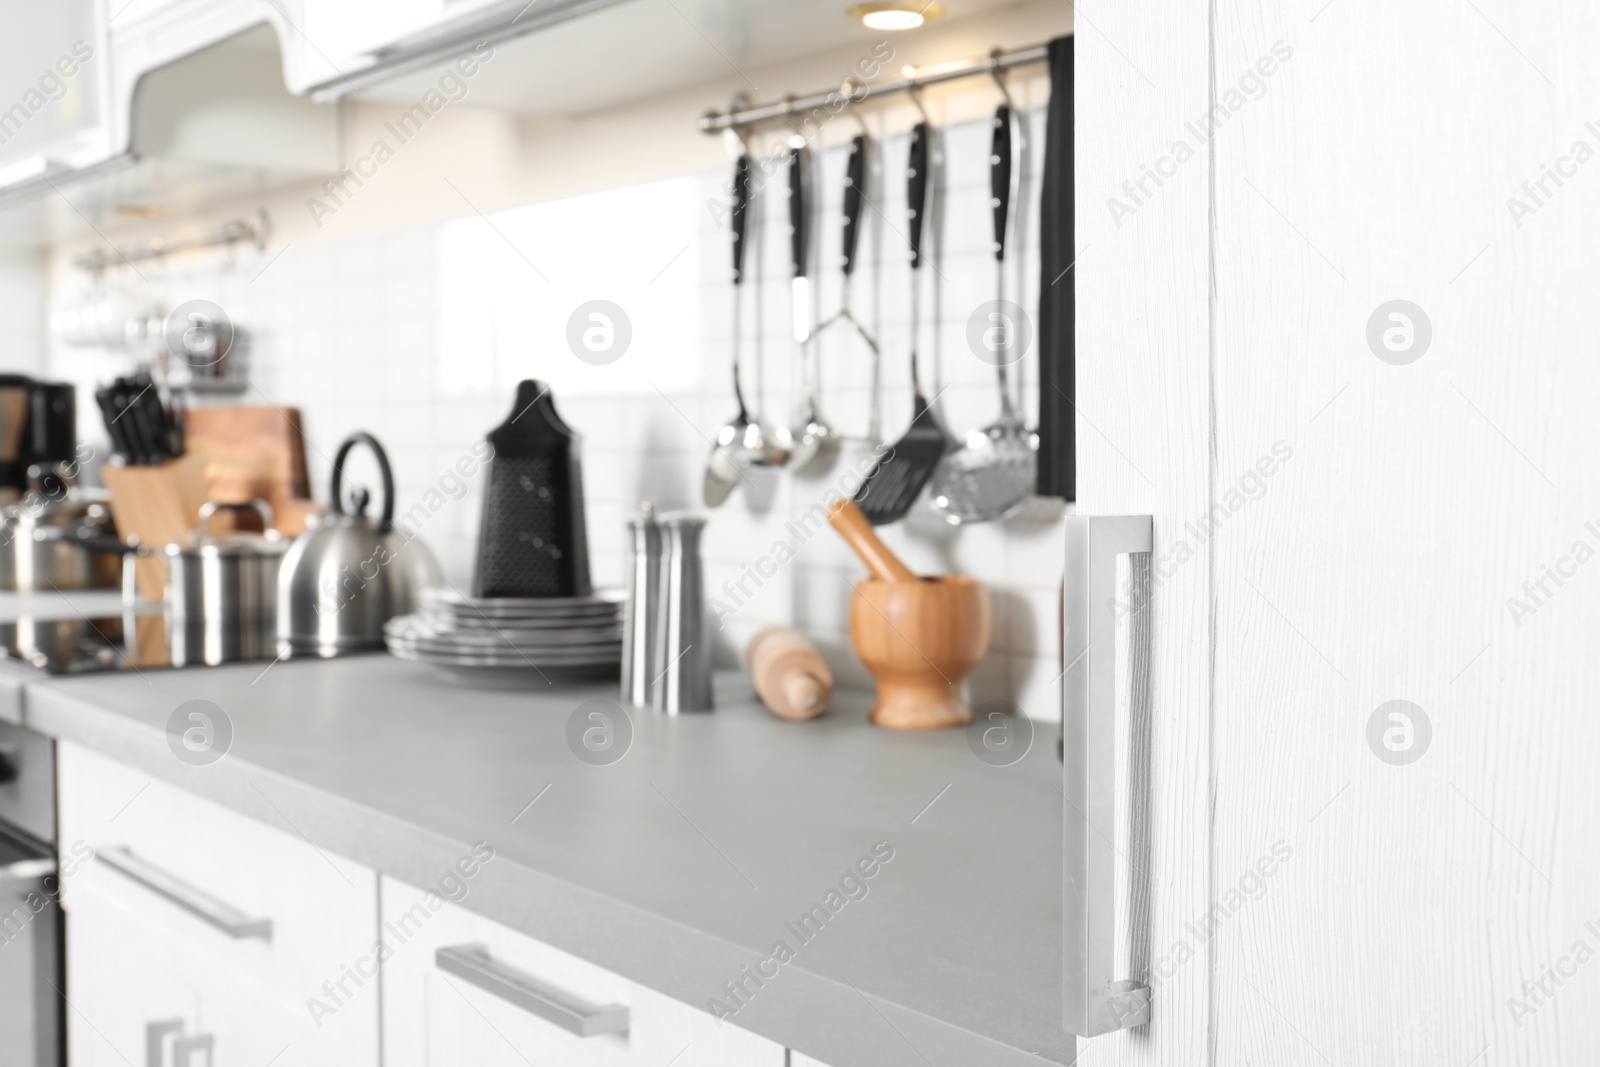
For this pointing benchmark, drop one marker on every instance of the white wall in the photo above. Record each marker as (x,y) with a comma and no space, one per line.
(22,341)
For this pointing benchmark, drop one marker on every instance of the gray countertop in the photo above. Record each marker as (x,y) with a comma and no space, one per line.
(674,866)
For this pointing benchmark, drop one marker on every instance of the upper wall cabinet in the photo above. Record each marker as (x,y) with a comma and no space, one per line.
(53,88)
(195,108)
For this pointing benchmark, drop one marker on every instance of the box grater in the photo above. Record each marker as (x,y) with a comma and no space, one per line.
(532,540)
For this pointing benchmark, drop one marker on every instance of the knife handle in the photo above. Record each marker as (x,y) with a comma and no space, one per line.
(1000,177)
(917,189)
(855,180)
(741,203)
(797,211)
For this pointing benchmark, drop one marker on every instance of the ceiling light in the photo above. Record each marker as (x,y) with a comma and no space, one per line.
(896,14)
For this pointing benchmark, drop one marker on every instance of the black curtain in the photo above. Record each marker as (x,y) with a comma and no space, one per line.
(1058,457)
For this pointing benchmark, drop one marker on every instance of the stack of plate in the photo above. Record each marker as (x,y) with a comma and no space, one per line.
(505,637)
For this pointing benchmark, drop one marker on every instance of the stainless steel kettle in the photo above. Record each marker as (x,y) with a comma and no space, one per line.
(347,575)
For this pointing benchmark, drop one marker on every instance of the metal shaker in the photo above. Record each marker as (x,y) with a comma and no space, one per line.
(683,641)
(643,609)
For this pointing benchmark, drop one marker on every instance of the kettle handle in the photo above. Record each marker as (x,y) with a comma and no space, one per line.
(335,504)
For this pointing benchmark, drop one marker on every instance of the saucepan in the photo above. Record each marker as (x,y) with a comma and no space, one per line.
(49,545)
(222,591)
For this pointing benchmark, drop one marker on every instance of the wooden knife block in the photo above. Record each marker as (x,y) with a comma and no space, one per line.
(158,505)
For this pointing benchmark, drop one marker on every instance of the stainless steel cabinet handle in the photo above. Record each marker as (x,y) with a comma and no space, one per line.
(29,870)
(473,963)
(236,924)
(155,1035)
(184,1048)
(1095,1001)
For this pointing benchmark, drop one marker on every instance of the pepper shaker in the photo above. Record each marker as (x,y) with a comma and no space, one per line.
(683,644)
(643,608)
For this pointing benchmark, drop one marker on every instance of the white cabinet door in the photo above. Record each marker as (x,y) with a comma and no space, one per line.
(274,925)
(54,83)
(502,999)
(1337,318)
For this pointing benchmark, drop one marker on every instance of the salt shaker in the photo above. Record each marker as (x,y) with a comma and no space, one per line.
(643,609)
(683,641)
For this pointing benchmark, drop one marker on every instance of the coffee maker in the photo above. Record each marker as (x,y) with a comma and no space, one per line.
(38,435)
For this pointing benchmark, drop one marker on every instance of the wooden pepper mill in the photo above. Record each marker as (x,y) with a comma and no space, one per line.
(791,679)
(920,637)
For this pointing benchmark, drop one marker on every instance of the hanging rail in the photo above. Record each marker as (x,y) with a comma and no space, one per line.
(856,92)
(229,233)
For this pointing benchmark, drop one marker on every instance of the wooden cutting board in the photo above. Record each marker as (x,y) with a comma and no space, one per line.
(254,452)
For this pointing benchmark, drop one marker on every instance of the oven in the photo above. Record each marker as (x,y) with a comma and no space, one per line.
(32,986)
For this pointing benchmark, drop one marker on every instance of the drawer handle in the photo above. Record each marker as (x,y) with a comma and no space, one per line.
(236,924)
(473,963)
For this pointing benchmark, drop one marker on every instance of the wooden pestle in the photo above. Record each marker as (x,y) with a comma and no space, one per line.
(792,680)
(852,524)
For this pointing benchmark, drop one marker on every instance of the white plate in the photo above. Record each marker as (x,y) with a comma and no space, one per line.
(512,661)
(448,600)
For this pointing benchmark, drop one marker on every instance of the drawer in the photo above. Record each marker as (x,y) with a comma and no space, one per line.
(132,983)
(459,989)
(249,905)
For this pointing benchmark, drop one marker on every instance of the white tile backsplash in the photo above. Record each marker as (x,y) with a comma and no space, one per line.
(420,336)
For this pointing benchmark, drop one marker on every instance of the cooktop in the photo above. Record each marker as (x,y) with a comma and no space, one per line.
(86,645)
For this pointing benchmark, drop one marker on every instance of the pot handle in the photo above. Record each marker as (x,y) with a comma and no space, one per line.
(211,507)
(336,505)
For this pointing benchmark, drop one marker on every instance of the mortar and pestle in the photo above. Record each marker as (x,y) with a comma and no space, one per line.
(919,636)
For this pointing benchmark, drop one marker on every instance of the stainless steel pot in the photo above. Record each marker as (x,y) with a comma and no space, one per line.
(222,591)
(347,575)
(41,549)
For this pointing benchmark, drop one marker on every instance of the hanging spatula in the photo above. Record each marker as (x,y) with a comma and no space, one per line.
(894,483)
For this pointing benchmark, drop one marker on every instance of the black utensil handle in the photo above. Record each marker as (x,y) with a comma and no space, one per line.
(741,204)
(1000,177)
(797,211)
(108,409)
(855,181)
(336,504)
(917,189)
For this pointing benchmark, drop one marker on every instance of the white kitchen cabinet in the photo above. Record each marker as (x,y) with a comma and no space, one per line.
(347,31)
(353,35)
(1343,257)
(498,998)
(260,936)
(54,89)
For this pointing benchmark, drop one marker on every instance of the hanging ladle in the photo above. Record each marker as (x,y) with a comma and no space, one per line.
(743,441)
(813,437)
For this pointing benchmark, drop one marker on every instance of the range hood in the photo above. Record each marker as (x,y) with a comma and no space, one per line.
(216,125)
